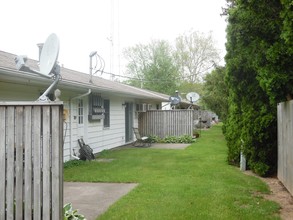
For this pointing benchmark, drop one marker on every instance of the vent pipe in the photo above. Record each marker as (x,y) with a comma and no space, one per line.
(40,46)
(91,68)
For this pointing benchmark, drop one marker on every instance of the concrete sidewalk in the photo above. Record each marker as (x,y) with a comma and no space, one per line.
(93,199)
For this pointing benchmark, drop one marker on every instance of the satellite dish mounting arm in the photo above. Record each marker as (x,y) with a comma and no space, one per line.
(56,71)
(20,62)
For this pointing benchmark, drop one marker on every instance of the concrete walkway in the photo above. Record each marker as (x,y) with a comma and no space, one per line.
(170,146)
(93,199)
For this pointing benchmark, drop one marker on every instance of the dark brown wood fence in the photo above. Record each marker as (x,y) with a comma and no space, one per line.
(164,123)
(285,144)
(31,160)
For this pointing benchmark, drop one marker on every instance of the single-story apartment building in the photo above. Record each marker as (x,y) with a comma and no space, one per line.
(102,112)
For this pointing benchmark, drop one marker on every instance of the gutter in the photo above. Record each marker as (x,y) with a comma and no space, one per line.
(71,129)
(22,74)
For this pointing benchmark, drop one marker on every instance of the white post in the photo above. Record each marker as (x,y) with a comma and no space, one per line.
(242,158)
(242,162)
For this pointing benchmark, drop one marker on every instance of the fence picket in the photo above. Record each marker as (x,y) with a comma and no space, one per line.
(28,162)
(36,120)
(2,163)
(18,161)
(46,162)
(10,164)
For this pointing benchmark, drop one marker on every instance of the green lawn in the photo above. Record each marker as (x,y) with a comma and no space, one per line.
(195,183)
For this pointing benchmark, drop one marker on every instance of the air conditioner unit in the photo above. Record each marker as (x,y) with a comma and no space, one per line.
(96,117)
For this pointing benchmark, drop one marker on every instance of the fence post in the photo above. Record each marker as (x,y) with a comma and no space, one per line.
(285,150)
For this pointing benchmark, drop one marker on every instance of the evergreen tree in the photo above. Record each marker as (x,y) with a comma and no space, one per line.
(215,95)
(254,76)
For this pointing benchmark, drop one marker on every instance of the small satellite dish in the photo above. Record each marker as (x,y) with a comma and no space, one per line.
(192,96)
(49,54)
(174,100)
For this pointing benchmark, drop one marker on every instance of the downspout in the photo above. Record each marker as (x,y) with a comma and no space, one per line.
(82,95)
(71,116)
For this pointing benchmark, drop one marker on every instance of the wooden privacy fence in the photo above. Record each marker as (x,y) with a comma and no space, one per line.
(31,160)
(164,123)
(285,144)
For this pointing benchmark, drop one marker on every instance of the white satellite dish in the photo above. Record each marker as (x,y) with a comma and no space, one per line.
(174,100)
(48,64)
(49,54)
(192,96)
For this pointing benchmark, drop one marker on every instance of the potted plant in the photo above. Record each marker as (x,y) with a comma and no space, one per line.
(195,134)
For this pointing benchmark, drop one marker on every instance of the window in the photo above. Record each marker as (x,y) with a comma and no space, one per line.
(80,111)
(107,113)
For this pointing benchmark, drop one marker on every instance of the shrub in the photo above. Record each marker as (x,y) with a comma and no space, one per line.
(155,139)
(71,214)
(172,139)
(260,168)
(186,139)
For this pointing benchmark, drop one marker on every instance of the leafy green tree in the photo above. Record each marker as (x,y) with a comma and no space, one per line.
(259,74)
(232,131)
(139,58)
(195,55)
(152,67)
(160,67)
(162,75)
(215,94)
